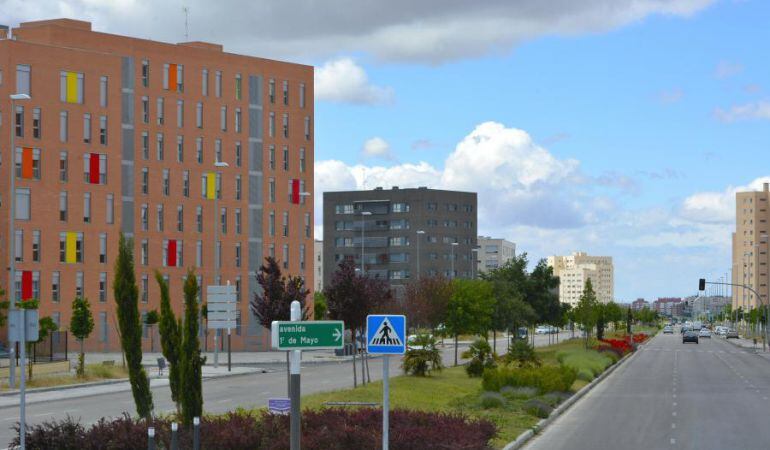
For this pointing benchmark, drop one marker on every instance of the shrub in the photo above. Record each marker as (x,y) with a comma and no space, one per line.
(545,379)
(518,393)
(481,356)
(492,400)
(554,398)
(585,375)
(423,358)
(521,354)
(537,408)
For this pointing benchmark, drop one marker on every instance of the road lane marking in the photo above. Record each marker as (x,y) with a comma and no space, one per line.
(674,404)
(43,414)
(673,426)
(673,441)
(224,400)
(673,413)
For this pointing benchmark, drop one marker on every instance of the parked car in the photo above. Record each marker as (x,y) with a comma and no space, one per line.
(689,336)
(523,333)
(542,329)
(704,333)
(731,334)
(722,331)
(668,330)
(412,339)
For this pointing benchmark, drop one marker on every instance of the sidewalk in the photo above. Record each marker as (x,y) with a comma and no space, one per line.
(748,344)
(150,360)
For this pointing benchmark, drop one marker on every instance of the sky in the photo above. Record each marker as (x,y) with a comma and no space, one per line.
(616,127)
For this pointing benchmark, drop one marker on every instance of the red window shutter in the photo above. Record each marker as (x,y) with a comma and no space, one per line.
(27,170)
(26,285)
(93,168)
(171,257)
(295,191)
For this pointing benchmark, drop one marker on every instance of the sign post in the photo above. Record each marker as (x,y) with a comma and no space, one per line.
(221,315)
(23,327)
(385,335)
(296,336)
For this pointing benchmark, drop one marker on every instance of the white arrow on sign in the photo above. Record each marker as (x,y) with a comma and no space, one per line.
(337,335)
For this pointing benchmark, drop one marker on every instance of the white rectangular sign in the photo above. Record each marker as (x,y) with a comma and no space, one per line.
(221,306)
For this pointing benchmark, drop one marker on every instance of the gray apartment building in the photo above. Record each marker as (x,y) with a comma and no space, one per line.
(494,253)
(402,233)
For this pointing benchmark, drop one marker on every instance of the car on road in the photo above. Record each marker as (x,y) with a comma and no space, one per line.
(731,334)
(722,331)
(685,329)
(545,329)
(668,330)
(704,333)
(689,336)
(416,341)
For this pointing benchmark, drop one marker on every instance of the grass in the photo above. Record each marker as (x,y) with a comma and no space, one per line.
(94,372)
(589,363)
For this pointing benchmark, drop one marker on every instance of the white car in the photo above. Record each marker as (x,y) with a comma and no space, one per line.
(543,330)
(704,333)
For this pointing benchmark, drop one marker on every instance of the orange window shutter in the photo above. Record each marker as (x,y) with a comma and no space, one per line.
(172,77)
(26,163)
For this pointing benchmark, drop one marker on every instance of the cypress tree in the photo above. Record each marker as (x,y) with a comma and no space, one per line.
(126,296)
(190,361)
(170,337)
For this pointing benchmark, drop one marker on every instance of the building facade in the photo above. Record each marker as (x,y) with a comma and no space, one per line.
(668,306)
(121,135)
(318,265)
(750,247)
(709,306)
(494,252)
(639,304)
(406,233)
(574,270)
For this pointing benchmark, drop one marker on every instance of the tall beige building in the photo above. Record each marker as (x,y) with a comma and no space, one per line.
(750,247)
(574,270)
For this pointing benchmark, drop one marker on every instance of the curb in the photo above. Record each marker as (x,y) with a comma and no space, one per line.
(524,437)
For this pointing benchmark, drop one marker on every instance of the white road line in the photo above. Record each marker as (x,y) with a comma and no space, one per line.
(43,414)
(673,426)
(16,418)
(673,441)
(224,400)
(673,413)
(674,404)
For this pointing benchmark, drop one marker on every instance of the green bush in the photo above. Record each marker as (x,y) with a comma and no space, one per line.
(554,398)
(481,356)
(537,408)
(585,374)
(492,400)
(423,359)
(544,379)
(521,354)
(518,393)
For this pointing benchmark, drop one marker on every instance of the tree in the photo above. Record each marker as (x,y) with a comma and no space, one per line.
(614,314)
(170,338)
(601,319)
(426,301)
(585,311)
(319,306)
(126,295)
(470,308)
(81,326)
(191,361)
(510,310)
(150,320)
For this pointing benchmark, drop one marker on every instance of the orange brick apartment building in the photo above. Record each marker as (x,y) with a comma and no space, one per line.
(120,135)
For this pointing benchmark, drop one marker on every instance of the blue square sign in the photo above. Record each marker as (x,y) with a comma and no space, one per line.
(386,334)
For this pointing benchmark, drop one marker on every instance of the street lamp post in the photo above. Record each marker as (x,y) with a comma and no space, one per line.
(419,234)
(452,259)
(217,186)
(474,261)
(363,226)
(12,232)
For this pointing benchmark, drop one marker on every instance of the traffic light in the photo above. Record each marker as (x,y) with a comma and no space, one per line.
(702,284)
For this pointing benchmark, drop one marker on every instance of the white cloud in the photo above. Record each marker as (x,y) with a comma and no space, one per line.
(377,147)
(426,31)
(717,207)
(342,80)
(727,69)
(750,111)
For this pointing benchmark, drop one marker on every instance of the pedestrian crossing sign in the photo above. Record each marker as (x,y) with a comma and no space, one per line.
(386,334)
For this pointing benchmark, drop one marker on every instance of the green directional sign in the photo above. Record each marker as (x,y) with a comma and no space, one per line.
(310,335)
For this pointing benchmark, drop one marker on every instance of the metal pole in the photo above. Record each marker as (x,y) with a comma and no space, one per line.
(23,377)
(363,225)
(294,386)
(12,242)
(216,259)
(385,400)
(151,438)
(174,437)
(452,261)
(418,255)
(229,352)
(196,433)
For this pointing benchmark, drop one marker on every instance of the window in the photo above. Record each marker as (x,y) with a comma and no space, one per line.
(95,168)
(219,256)
(19,121)
(145,73)
(271,90)
(159,104)
(271,223)
(28,163)
(223,118)
(159,147)
(285,125)
(205,82)
(22,203)
(199,150)
(238,86)
(63,126)
(285,223)
(102,287)
(145,288)
(71,87)
(145,180)
(307,128)
(285,256)
(103,248)
(285,92)
(87,207)
(272,157)
(180,113)
(301,159)
(145,145)
(223,219)
(271,125)
(199,219)
(23,76)
(218,83)
(79,284)
(237,120)
(237,254)
(302,95)
(399,207)
(87,128)
(198,253)
(71,247)
(285,158)
(145,256)
(180,149)
(199,115)
(237,187)
(186,183)
(18,245)
(218,150)
(271,189)
(56,287)
(166,182)
(110,210)
(307,225)
(145,110)
(180,218)
(399,241)
(36,123)
(271,250)
(103,92)
(145,217)
(301,256)
(62,206)
(35,245)
(238,154)
(237,221)
(343,209)
(159,221)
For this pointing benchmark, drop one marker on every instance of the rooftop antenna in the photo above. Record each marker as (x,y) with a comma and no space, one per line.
(186,27)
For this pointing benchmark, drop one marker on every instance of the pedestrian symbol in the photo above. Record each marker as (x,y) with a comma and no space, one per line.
(386,334)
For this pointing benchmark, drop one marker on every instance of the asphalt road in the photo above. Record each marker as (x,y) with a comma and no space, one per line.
(670,395)
(219,394)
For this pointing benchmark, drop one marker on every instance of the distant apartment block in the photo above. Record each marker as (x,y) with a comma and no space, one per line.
(750,247)
(574,270)
(668,306)
(318,266)
(401,234)
(494,252)
(639,304)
